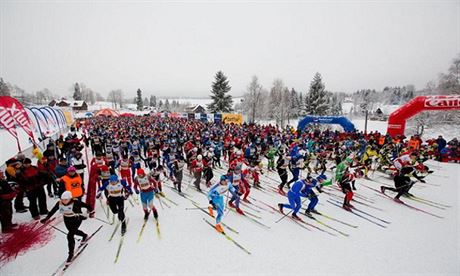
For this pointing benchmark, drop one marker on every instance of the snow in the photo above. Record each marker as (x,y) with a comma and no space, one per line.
(413,243)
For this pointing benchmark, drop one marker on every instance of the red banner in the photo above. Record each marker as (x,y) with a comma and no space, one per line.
(10,108)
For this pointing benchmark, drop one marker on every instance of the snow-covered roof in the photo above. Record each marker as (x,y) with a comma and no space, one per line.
(78,103)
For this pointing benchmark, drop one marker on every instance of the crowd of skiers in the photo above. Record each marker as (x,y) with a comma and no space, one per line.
(136,154)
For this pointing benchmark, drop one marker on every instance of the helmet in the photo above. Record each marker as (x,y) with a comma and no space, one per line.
(66,195)
(71,169)
(113,178)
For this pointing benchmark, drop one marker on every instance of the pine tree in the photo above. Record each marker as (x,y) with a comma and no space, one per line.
(77,94)
(336,106)
(153,101)
(316,99)
(139,103)
(4,89)
(221,102)
(167,107)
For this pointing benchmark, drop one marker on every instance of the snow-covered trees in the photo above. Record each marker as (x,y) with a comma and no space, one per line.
(116,98)
(153,101)
(139,102)
(221,102)
(279,102)
(316,99)
(77,95)
(253,101)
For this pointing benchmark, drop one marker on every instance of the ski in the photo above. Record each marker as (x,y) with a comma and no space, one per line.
(142,230)
(405,204)
(229,238)
(157,225)
(206,212)
(424,202)
(430,201)
(120,244)
(252,219)
(247,205)
(326,225)
(334,219)
(248,213)
(359,215)
(355,200)
(366,213)
(169,200)
(63,267)
(114,230)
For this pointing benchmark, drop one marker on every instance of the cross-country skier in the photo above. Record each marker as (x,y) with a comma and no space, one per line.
(147,186)
(118,192)
(73,217)
(297,190)
(216,199)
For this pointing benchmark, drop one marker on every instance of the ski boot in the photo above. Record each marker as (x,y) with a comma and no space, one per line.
(280,207)
(295,217)
(239,211)
(231,204)
(308,213)
(219,228)
(123,228)
(382,189)
(210,211)
(146,215)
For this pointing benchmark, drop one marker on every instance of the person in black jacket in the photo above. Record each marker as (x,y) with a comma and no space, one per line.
(6,207)
(73,217)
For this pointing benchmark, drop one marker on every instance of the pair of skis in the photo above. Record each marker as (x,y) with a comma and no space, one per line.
(157,225)
(228,238)
(362,214)
(65,265)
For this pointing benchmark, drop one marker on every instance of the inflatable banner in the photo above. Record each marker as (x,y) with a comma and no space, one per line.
(228,118)
(397,119)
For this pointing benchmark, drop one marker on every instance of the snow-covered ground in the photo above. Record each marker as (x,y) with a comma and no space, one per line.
(412,243)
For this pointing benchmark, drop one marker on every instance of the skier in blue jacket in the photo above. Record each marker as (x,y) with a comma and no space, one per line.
(216,199)
(297,190)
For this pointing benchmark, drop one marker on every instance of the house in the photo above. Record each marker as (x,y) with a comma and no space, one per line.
(195,109)
(79,106)
(75,105)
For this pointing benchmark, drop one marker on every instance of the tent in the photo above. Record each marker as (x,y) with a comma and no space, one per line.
(107,112)
(89,114)
(339,120)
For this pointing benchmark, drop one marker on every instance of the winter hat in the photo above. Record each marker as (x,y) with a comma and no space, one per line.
(140,171)
(66,195)
(223,177)
(113,178)
(27,161)
(71,169)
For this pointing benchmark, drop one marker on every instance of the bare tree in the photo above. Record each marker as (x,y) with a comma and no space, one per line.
(252,100)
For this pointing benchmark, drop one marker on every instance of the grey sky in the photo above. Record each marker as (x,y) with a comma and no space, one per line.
(174,49)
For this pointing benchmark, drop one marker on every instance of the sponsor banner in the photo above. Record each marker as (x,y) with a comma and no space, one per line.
(442,102)
(10,108)
(228,118)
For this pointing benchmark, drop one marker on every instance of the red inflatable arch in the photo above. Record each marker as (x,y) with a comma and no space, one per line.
(397,119)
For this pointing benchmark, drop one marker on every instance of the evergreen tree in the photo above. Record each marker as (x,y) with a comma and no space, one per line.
(153,101)
(316,99)
(4,88)
(160,104)
(336,105)
(221,102)
(167,107)
(77,94)
(140,104)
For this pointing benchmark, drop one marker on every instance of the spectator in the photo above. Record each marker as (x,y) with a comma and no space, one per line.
(13,169)
(6,209)
(32,181)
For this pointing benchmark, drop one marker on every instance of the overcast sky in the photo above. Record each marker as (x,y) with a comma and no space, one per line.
(174,49)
